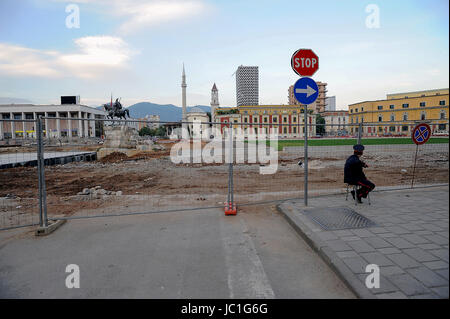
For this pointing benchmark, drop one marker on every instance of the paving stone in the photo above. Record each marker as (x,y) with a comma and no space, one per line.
(392,295)
(377,259)
(378,230)
(403,261)
(412,227)
(443,234)
(432,227)
(345,254)
(389,250)
(350,238)
(435,265)
(428,246)
(360,246)
(441,291)
(427,277)
(387,235)
(362,233)
(398,230)
(408,285)
(385,285)
(343,233)
(356,264)
(442,273)
(423,232)
(441,253)
(326,235)
(439,240)
(377,242)
(338,245)
(391,270)
(415,239)
(400,242)
(419,254)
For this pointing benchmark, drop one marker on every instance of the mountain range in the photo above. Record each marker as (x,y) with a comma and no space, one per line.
(166,112)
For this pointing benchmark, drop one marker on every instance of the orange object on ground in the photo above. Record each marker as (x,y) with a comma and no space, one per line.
(230,209)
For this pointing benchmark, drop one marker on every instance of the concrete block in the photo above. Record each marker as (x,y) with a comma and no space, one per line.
(44,231)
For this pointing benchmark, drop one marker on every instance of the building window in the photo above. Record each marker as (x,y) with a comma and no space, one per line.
(423,116)
(274,119)
(391,106)
(404,128)
(405,116)
(442,102)
(380,129)
(255,120)
(422,104)
(362,109)
(391,128)
(380,107)
(265,119)
(284,119)
(294,119)
(442,115)
(442,127)
(351,111)
(405,105)
(392,117)
(245,120)
(295,129)
(285,130)
(356,110)
(362,119)
(380,118)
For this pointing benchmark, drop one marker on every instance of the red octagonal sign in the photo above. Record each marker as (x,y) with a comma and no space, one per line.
(305,62)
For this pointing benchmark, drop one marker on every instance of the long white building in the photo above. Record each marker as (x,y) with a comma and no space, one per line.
(55,128)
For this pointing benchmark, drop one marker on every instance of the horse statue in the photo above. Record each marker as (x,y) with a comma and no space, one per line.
(116,110)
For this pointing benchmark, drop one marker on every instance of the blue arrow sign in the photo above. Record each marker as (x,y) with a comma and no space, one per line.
(306,90)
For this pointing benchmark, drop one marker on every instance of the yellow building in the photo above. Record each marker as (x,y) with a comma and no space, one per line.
(400,112)
(259,119)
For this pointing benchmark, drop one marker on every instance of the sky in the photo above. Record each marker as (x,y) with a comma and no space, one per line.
(135,49)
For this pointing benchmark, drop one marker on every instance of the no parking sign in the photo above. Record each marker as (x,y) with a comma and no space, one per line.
(421,134)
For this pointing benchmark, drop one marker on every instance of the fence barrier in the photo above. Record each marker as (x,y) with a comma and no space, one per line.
(71,168)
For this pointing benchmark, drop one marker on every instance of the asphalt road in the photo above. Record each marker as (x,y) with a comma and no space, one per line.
(193,254)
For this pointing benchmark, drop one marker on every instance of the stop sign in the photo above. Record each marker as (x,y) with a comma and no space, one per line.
(305,62)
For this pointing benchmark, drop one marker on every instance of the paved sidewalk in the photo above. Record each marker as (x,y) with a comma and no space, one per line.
(410,242)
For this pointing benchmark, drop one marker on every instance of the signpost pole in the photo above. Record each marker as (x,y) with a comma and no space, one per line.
(414,169)
(306,155)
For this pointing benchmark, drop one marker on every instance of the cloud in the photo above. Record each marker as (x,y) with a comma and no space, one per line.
(94,55)
(145,14)
(140,14)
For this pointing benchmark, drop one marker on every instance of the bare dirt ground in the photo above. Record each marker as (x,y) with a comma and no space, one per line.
(151,180)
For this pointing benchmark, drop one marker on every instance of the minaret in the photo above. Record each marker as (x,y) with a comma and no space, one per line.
(183,100)
(214,102)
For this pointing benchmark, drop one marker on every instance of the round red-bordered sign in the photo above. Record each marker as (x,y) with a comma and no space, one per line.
(421,134)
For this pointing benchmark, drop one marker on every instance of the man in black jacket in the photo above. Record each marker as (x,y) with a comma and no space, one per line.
(354,175)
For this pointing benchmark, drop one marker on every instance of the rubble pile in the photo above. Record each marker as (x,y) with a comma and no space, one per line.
(97,192)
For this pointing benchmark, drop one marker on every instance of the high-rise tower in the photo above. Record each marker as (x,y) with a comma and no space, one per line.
(247,85)
(214,102)
(183,101)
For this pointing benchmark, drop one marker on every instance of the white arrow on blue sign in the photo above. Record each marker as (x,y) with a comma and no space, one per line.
(306,90)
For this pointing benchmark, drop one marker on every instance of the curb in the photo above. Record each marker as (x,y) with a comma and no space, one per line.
(44,231)
(329,256)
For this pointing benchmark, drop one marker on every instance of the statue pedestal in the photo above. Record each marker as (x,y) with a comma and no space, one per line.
(120,137)
(126,140)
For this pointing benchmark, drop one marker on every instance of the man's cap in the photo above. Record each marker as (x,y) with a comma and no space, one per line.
(358,147)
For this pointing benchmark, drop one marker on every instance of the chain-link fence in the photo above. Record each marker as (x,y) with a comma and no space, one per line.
(99,167)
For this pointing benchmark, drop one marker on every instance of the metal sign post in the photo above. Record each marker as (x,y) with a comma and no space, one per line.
(306,155)
(420,135)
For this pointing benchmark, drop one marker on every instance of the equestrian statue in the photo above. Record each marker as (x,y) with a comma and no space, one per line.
(115,110)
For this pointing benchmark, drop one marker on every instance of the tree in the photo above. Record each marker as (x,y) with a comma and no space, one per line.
(320,125)
(145,131)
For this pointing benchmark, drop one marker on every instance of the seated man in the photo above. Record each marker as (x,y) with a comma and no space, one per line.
(354,175)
